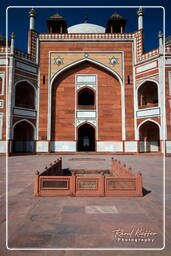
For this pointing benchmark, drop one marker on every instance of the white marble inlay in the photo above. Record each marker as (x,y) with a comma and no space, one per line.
(1,103)
(168,146)
(24,112)
(86,79)
(109,146)
(100,209)
(2,146)
(154,146)
(148,112)
(86,114)
(26,67)
(168,61)
(3,62)
(63,146)
(131,146)
(93,86)
(146,67)
(91,121)
(42,146)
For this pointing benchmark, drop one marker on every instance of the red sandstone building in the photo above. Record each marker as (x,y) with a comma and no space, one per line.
(85,88)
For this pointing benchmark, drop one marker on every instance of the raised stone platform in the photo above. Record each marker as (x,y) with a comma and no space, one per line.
(117,181)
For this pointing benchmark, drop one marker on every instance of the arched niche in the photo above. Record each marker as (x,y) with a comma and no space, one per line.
(148,95)
(25,95)
(149,137)
(23,137)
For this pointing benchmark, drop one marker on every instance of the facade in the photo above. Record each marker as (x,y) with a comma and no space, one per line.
(85,88)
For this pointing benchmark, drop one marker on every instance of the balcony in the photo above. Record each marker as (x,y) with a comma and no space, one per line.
(148,105)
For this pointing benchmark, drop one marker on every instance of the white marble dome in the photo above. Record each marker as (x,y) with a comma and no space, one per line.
(86,28)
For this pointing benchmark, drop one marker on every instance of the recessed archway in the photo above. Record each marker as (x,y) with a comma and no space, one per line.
(86,138)
(148,95)
(23,137)
(62,87)
(149,136)
(24,95)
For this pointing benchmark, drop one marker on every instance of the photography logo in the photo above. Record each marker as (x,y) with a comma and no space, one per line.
(134,234)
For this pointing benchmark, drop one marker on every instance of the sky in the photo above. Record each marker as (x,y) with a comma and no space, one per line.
(18,20)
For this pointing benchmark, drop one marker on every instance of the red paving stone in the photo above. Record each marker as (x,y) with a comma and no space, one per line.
(64,222)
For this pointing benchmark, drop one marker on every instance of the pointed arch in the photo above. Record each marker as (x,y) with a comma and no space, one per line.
(24,120)
(25,87)
(147,94)
(82,61)
(149,136)
(86,97)
(23,136)
(86,122)
(25,80)
(72,65)
(147,120)
(86,137)
(148,80)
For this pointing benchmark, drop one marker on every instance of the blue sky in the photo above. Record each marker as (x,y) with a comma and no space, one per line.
(18,17)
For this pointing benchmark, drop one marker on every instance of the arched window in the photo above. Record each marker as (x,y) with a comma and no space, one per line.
(24,95)
(86,99)
(149,136)
(23,139)
(148,95)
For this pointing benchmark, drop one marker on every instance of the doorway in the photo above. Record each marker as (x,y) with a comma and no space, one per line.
(86,138)
(23,138)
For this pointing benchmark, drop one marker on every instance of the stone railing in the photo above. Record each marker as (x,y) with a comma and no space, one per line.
(4,49)
(119,181)
(168,49)
(86,36)
(120,170)
(149,55)
(24,55)
(54,168)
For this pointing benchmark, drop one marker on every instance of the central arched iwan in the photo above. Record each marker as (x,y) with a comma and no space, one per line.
(108,103)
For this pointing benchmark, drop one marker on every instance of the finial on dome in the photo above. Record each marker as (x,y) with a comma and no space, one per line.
(56,24)
(86,19)
(116,24)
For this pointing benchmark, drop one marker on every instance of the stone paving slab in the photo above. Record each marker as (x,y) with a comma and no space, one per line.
(64,221)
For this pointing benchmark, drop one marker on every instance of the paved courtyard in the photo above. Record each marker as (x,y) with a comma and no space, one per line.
(84,222)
